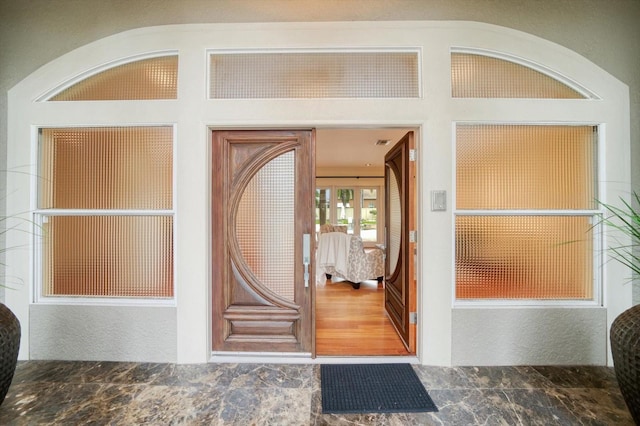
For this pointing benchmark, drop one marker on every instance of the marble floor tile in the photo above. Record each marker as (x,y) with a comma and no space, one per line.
(114,393)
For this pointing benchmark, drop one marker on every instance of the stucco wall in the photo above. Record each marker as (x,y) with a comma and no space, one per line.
(116,333)
(530,336)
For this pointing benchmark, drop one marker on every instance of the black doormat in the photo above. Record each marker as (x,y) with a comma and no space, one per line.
(372,388)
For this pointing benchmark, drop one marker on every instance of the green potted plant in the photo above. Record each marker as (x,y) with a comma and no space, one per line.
(625,330)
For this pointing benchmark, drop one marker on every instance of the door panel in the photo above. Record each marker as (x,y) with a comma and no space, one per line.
(400,287)
(262,205)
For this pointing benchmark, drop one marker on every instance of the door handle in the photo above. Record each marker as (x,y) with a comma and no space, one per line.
(306,257)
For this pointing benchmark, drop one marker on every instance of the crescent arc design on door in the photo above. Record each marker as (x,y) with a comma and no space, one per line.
(262,184)
(395,220)
(262,266)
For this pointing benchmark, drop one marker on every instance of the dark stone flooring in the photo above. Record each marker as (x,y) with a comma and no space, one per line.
(113,393)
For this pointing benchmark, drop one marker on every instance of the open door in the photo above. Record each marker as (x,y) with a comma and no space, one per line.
(262,223)
(400,277)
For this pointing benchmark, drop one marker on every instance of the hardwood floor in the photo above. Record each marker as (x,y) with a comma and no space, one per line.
(352,322)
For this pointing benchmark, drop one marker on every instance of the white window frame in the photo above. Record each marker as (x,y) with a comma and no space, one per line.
(595,214)
(40,216)
(333,215)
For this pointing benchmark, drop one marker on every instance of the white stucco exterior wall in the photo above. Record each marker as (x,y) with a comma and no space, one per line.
(533,336)
(98,333)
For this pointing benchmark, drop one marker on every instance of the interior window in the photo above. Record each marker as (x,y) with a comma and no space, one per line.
(345,208)
(323,207)
(350,209)
(369,214)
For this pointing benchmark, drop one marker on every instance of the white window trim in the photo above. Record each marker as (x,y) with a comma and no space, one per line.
(39,216)
(333,215)
(598,291)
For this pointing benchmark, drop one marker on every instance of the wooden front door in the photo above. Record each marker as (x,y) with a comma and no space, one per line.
(400,287)
(262,208)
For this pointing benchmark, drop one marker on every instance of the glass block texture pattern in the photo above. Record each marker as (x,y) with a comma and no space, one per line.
(524,257)
(314,75)
(265,226)
(106,168)
(108,256)
(525,167)
(395,221)
(479,76)
(147,79)
(95,248)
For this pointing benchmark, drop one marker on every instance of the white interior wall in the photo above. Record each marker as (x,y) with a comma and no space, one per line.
(434,114)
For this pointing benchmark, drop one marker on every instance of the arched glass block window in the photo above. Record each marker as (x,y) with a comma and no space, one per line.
(145,79)
(481,76)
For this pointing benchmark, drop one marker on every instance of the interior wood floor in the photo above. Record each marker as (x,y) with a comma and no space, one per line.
(352,322)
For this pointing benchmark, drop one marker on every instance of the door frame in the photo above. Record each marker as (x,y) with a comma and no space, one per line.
(418,131)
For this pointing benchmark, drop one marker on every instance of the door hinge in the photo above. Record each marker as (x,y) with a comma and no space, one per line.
(412,155)
(413,317)
(413,236)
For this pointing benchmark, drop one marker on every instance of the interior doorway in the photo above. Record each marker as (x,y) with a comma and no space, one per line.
(352,320)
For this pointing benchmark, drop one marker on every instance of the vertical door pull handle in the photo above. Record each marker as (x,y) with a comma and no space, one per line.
(306,257)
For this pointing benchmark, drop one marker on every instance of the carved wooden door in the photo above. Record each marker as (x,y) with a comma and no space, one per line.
(400,280)
(262,222)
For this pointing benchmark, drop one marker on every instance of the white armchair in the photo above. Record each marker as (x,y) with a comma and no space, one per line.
(343,255)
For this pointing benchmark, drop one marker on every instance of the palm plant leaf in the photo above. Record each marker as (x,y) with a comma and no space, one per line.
(625,220)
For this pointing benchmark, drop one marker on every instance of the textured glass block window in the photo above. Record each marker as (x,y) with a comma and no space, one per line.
(395,220)
(92,179)
(265,225)
(108,256)
(314,75)
(147,79)
(524,257)
(106,168)
(525,167)
(479,76)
